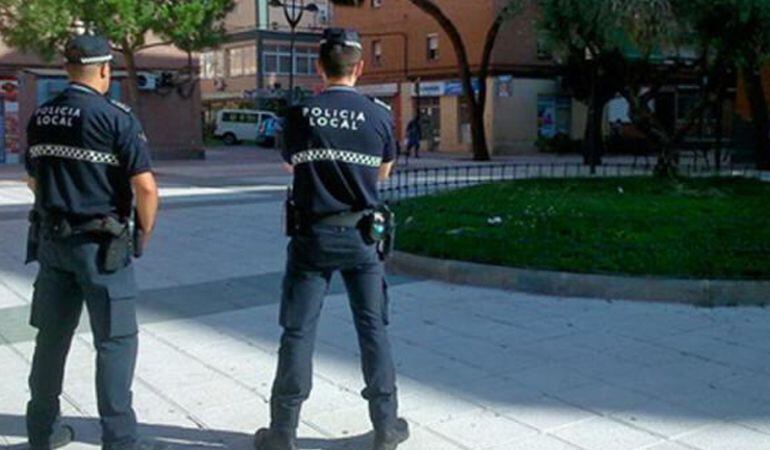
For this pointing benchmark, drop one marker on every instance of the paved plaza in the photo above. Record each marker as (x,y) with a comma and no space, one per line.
(478,368)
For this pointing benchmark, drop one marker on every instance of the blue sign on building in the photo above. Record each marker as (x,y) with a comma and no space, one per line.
(2,131)
(455,88)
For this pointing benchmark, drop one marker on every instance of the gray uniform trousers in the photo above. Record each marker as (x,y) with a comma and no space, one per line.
(312,259)
(69,275)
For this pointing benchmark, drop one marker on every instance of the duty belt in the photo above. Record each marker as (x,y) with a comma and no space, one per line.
(61,228)
(346,219)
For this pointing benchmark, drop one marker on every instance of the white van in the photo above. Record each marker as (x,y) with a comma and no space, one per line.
(236,125)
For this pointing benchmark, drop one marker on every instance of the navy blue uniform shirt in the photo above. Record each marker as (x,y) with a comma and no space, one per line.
(83,151)
(336,142)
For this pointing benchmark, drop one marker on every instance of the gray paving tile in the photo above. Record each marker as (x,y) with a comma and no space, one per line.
(483,429)
(727,437)
(602,433)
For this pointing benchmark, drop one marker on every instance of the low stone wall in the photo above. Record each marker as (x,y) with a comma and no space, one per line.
(606,287)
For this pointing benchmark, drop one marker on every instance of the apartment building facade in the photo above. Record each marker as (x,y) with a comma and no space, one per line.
(411,64)
(252,67)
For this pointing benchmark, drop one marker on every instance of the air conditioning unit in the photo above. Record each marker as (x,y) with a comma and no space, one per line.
(323,16)
(147,81)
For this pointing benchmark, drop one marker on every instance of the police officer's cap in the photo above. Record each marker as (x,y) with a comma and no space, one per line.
(88,49)
(342,37)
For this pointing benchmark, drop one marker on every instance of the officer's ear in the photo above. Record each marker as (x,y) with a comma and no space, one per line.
(358,71)
(319,68)
(104,71)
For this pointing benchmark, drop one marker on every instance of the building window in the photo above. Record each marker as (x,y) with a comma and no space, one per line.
(432,47)
(277,59)
(377,52)
(212,65)
(376,3)
(543,50)
(236,62)
(463,121)
(305,59)
(242,61)
(208,63)
(250,60)
(219,67)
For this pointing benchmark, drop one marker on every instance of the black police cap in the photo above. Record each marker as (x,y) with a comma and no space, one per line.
(88,49)
(342,37)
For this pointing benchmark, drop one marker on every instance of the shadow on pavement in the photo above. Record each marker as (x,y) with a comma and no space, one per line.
(178,437)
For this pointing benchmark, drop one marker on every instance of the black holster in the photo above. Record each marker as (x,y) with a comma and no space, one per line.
(116,246)
(388,244)
(137,235)
(33,237)
(113,235)
(116,251)
(379,228)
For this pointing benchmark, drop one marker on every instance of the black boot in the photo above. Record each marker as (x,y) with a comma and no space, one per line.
(391,438)
(62,436)
(267,439)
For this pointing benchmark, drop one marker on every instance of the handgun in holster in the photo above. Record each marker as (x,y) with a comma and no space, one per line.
(379,228)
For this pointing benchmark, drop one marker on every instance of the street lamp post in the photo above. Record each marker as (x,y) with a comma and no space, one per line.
(293,10)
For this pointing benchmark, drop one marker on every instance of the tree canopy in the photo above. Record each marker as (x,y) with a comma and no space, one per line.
(43,26)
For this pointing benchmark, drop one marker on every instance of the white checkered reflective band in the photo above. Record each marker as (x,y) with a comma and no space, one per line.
(80,154)
(328,154)
(95,59)
(353,44)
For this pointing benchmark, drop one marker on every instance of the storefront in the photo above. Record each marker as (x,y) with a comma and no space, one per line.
(554,115)
(10,129)
(518,111)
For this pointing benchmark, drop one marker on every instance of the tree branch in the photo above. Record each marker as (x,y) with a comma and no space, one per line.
(489,46)
(451,30)
(155,44)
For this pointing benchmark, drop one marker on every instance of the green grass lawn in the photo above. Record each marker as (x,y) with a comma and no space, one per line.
(693,228)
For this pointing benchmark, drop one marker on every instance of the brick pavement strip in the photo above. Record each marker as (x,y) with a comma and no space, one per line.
(479,368)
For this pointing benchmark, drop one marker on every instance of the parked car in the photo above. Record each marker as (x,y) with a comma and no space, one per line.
(237,125)
(269,132)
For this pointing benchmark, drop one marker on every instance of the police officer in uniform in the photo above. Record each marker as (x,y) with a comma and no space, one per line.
(338,145)
(87,157)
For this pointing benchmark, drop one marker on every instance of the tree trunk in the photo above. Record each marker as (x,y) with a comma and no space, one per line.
(720,130)
(759,116)
(478,130)
(667,164)
(133,80)
(593,145)
(479,135)
(647,122)
(480,148)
